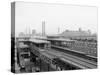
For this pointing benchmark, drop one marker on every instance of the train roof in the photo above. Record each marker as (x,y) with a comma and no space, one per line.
(38,41)
(62,39)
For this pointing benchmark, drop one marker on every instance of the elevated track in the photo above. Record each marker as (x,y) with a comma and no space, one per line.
(73,59)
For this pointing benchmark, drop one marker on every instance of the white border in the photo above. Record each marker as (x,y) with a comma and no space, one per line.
(5,30)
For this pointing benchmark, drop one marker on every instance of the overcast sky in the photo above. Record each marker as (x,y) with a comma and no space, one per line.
(31,15)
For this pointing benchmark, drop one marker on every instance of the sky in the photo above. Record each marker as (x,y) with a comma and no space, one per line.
(29,16)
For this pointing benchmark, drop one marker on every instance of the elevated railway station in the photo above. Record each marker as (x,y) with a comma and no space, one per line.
(53,55)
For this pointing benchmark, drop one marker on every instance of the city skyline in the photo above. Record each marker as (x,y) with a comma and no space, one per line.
(65,17)
(34,32)
(53,37)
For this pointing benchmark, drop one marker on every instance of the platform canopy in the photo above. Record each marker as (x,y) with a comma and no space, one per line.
(62,39)
(22,40)
(38,41)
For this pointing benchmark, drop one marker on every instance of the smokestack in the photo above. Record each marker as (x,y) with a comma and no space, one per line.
(43,28)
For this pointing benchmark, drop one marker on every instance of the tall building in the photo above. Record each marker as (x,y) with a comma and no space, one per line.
(58,30)
(80,29)
(43,28)
(78,33)
(33,31)
(21,34)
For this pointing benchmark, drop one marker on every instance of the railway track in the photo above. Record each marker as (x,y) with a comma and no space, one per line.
(72,59)
(76,53)
(76,57)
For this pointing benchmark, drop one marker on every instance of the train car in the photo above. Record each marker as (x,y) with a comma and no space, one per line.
(24,41)
(23,55)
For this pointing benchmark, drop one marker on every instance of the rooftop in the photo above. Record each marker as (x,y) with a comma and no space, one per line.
(38,41)
(75,33)
(23,46)
(21,40)
(62,39)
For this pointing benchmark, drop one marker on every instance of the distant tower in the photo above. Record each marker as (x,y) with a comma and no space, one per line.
(43,28)
(29,32)
(33,32)
(58,30)
(80,29)
(89,31)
